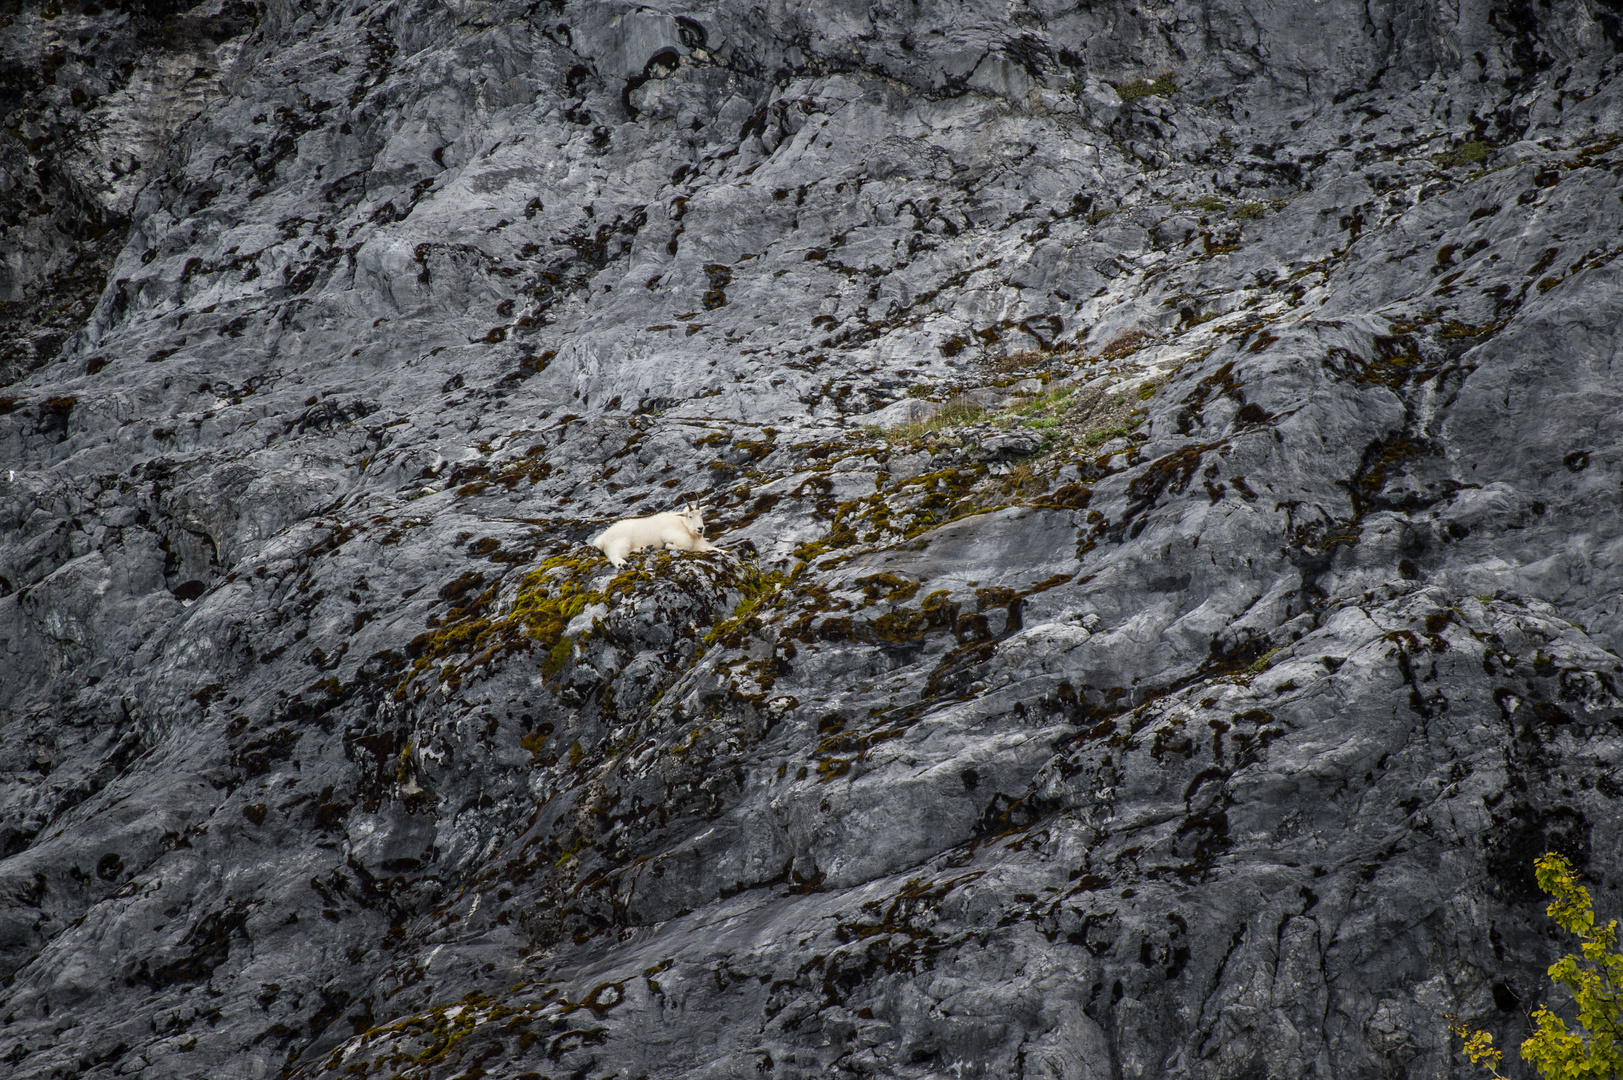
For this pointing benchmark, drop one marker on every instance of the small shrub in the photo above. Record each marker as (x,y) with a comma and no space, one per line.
(1594,978)
(1249,211)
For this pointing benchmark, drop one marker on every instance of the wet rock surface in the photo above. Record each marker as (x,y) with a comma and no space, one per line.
(1167,461)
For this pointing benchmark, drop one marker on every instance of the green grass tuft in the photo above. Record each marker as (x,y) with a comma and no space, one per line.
(953,413)
(1099,438)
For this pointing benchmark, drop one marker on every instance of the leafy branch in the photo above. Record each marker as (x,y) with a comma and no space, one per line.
(1594,978)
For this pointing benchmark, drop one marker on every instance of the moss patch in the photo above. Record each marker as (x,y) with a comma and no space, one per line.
(1160,86)
(1470,153)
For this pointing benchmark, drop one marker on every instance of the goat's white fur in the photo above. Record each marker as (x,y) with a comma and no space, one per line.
(680,529)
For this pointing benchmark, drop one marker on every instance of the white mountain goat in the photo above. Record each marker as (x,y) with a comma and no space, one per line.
(680,529)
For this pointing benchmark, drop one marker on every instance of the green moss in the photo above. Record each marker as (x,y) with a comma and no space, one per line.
(447,1032)
(547,598)
(757,588)
(994,596)
(1249,211)
(938,609)
(1098,438)
(887,586)
(692,740)
(1163,86)
(1470,153)
(573,849)
(900,626)
(558,656)
(832,769)
(840,535)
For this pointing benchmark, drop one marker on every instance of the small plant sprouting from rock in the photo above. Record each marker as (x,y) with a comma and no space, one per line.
(1045,410)
(959,411)
(1594,978)
(954,413)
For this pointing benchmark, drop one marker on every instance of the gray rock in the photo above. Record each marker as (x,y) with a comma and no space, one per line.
(903,412)
(331,335)
(1007,445)
(1101,101)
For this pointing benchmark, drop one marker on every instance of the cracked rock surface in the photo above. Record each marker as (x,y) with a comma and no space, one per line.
(1168,461)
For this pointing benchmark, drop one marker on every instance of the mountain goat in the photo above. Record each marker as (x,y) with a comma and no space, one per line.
(680,529)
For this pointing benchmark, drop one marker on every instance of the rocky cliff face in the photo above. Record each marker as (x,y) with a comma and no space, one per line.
(1168,459)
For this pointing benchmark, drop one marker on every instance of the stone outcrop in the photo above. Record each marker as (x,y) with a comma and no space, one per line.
(1167,463)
